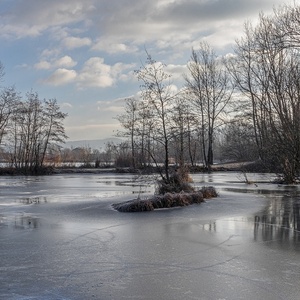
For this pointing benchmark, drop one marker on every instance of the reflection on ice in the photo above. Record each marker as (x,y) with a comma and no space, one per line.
(279,221)
(26,222)
(32,200)
(20,221)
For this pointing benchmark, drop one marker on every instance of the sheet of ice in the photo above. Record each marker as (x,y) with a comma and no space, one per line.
(244,244)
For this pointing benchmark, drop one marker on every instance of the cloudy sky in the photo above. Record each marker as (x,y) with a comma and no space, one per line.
(84,52)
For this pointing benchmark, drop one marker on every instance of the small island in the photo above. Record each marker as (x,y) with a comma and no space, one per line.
(175,191)
(167,200)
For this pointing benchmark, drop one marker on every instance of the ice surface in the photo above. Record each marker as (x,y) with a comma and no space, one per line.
(60,239)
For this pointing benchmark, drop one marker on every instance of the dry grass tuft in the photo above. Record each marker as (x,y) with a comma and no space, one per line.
(166,201)
(157,202)
(136,205)
(209,192)
(197,197)
(179,181)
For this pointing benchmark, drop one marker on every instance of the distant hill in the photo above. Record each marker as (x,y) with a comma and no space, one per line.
(94,144)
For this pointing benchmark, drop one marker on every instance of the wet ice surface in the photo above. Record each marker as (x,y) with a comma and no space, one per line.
(60,239)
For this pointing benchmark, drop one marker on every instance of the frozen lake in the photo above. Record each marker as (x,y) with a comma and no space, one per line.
(60,239)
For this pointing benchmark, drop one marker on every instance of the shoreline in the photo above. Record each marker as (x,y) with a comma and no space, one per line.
(249,167)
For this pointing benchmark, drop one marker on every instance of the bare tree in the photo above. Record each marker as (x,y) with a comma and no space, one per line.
(2,73)
(35,128)
(145,134)
(238,142)
(129,121)
(53,132)
(158,96)
(286,24)
(8,102)
(266,70)
(182,131)
(210,89)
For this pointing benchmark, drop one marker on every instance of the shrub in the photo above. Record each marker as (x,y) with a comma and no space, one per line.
(197,197)
(134,206)
(209,192)
(157,202)
(178,182)
(167,200)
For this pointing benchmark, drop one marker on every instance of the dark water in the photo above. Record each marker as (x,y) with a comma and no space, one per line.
(60,239)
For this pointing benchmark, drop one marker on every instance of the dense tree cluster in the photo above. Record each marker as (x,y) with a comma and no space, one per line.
(166,125)
(249,102)
(266,69)
(30,130)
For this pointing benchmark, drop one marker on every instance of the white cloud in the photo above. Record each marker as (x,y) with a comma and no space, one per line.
(95,73)
(176,70)
(128,76)
(119,27)
(65,61)
(111,46)
(61,77)
(76,42)
(47,53)
(31,18)
(42,65)
(15,30)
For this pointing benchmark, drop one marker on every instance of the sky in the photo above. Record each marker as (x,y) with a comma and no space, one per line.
(84,52)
